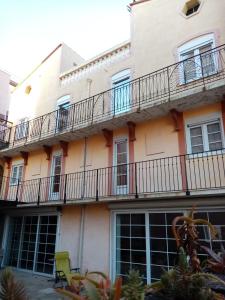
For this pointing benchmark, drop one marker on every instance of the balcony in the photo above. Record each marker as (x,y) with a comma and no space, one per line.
(192,82)
(196,174)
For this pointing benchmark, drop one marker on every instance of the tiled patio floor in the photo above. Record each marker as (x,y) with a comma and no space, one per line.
(38,287)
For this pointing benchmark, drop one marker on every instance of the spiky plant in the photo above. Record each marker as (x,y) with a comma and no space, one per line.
(134,288)
(10,288)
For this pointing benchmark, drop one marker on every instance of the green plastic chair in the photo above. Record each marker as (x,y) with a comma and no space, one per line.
(63,271)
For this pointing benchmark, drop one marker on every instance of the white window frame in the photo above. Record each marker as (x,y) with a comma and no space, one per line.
(117,80)
(55,196)
(14,180)
(146,211)
(203,121)
(116,189)
(194,45)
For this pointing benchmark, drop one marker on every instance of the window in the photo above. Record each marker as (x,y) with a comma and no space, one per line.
(63,105)
(144,241)
(16,174)
(121,92)
(121,166)
(205,136)
(197,59)
(31,243)
(22,129)
(191,7)
(56,176)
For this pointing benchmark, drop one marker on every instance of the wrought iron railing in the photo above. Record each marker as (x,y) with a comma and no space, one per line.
(184,173)
(146,91)
(5,130)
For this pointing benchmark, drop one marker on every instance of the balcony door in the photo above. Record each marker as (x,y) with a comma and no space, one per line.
(121,92)
(63,105)
(120,169)
(55,179)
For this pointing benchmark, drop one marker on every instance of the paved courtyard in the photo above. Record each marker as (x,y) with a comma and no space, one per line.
(38,287)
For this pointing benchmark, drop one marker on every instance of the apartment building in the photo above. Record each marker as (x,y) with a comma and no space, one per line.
(104,153)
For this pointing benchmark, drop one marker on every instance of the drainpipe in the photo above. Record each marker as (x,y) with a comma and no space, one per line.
(82,217)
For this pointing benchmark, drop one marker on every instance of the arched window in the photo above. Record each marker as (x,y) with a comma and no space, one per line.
(198,58)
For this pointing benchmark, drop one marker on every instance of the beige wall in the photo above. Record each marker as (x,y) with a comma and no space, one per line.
(44,83)
(96,236)
(158,28)
(4,92)
(99,80)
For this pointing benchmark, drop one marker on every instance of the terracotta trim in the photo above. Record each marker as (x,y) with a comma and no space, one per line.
(24,156)
(181,134)
(138,2)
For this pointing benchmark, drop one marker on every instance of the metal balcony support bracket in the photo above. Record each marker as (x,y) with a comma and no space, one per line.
(108,135)
(48,151)
(7,160)
(176,116)
(64,146)
(131,129)
(24,156)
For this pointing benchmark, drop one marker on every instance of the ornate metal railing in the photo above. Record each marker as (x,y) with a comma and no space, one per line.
(184,173)
(152,89)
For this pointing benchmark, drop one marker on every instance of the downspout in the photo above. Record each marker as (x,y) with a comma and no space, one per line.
(82,217)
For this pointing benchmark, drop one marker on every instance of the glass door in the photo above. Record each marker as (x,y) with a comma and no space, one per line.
(121,167)
(28,242)
(55,179)
(31,243)
(121,92)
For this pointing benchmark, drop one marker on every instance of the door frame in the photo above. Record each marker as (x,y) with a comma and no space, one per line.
(54,196)
(117,77)
(116,140)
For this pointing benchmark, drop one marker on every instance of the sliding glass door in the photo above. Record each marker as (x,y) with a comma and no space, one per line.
(31,243)
(144,241)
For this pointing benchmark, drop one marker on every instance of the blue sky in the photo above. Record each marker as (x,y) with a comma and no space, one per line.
(29,30)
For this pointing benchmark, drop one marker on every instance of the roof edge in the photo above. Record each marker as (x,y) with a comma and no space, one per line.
(138,2)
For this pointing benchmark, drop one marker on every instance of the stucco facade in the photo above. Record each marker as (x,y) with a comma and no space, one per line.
(112,148)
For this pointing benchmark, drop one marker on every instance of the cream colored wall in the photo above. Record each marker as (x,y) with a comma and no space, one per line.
(96,236)
(69,58)
(37,165)
(70,232)
(96,154)
(100,80)
(44,82)
(158,29)
(96,239)
(155,139)
(4,92)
